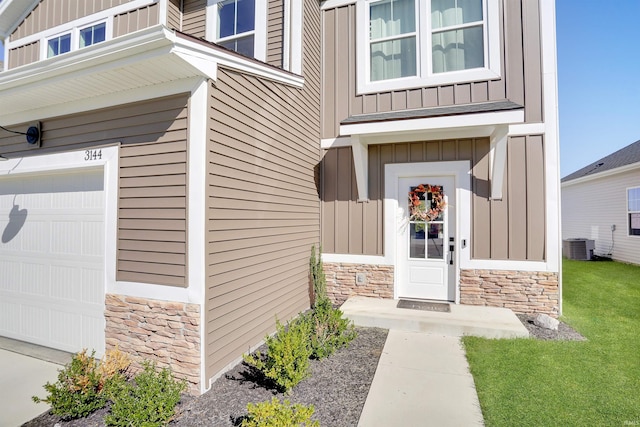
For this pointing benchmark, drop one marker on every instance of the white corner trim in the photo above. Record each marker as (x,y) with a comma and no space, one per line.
(294,40)
(360,152)
(498,160)
(356,259)
(439,123)
(163,12)
(197,209)
(286,36)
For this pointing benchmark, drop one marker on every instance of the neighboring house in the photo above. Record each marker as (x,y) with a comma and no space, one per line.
(601,202)
(171,203)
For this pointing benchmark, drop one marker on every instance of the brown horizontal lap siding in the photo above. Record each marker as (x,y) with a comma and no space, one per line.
(263,208)
(51,13)
(513,228)
(152,214)
(194,20)
(275,32)
(520,82)
(174,15)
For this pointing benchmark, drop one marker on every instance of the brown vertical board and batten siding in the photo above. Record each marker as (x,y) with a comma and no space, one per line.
(263,208)
(510,229)
(24,55)
(135,20)
(520,82)
(152,203)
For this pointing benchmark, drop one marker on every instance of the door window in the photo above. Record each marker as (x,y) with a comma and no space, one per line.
(426,222)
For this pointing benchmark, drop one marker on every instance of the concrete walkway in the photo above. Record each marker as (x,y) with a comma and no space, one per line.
(423,378)
(24,369)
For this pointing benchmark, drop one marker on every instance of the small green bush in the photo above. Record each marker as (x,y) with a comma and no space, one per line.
(287,360)
(317,276)
(150,402)
(329,330)
(79,389)
(276,414)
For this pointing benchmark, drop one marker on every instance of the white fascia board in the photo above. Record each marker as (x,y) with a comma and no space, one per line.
(331,4)
(600,175)
(436,123)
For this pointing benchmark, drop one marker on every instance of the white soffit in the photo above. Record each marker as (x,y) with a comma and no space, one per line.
(150,57)
(12,12)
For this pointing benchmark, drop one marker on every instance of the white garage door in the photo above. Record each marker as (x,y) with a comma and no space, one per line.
(52,259)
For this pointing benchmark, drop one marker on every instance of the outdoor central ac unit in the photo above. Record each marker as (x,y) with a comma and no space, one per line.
(580,249)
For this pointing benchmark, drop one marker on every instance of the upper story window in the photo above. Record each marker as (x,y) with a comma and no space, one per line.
(93,34)
(239,25)
(59,45)
(415,43)
(633,210)
(236,25)
(75,39)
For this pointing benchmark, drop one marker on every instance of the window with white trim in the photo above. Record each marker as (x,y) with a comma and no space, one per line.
(414,43)
(93,34)
(633,210)
(59,45)
(77,38)
(236,24)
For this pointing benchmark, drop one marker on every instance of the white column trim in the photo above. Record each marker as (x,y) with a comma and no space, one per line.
(498,160)
(295,38)
(360,152)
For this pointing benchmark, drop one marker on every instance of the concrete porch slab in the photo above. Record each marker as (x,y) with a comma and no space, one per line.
(488,322)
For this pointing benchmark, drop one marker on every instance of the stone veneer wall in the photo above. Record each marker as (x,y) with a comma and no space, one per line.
(520,291)
(162,331)
(341,281)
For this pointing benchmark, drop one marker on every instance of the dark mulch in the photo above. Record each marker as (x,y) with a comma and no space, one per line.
(564,332)
(338,387)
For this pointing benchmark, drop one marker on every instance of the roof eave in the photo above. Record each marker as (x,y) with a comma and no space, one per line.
(12,12)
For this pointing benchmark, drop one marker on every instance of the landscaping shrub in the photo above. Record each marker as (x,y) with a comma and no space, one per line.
(317,276)
(85,384)
(78,391)
(276,414)
(149,401)
(287,360)
(329,331)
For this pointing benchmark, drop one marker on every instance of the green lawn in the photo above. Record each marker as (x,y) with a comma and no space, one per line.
(526,382)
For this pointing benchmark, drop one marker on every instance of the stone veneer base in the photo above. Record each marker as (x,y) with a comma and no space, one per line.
(342,284)
(520,291)
(162,331)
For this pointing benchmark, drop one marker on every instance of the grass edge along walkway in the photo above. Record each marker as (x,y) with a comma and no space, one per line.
(527,382)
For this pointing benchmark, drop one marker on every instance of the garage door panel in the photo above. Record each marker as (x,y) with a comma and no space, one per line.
(52,281)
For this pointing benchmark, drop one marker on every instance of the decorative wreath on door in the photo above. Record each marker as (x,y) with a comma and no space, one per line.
(421,208)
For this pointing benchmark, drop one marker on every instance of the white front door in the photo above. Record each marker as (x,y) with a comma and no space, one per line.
(426,263)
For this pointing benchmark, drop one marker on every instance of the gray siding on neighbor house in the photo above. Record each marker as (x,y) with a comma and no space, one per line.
(510,229)
(263,209)
(521,80)
(152,179)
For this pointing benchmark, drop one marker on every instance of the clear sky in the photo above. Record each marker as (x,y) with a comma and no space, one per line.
(598,45)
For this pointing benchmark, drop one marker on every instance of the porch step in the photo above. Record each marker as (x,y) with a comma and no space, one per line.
(488,322)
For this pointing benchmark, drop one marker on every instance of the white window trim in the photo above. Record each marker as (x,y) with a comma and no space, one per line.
(75,37)
(424,77)
(259,32)
(628,226)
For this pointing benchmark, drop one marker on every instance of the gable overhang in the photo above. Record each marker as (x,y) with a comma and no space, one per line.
(155,59)
(359,132)
(600,175)
(12,12)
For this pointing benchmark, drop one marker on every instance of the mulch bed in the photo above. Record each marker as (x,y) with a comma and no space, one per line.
(564,332)
(338,387)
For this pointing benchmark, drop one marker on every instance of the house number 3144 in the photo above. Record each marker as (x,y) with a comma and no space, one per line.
(90,155)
